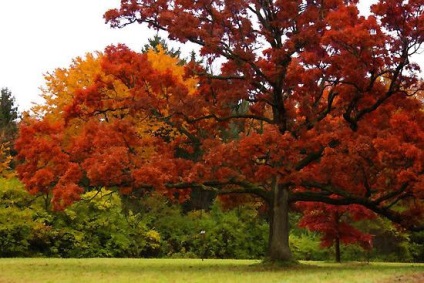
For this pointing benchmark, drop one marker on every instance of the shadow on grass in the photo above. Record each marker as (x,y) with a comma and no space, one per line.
(330,266)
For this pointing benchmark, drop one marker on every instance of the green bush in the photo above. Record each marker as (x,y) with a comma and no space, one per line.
(15,230)
(16,219)
(416,246)
(389,243)
(237,233)
(306,246)
(97,227)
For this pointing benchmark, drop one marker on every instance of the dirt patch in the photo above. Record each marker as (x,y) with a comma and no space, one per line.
(407,278)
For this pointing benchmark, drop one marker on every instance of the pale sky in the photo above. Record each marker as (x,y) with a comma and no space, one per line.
(38,36)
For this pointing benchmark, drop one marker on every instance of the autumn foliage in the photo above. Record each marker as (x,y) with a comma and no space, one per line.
(89,138)
(313,102)
(336,224)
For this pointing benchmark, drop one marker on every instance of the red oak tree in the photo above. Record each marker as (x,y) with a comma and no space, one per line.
(315,75)
(313,102)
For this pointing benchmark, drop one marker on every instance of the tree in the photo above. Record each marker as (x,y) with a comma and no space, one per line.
(8,130)
(308,63)
(335,225)
(8,114)
(331,113)
(62,157)
(159,44)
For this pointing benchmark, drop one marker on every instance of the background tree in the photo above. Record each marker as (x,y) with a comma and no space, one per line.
(159,44)
(8,130)
(335,224)
(70,154)
(8,114)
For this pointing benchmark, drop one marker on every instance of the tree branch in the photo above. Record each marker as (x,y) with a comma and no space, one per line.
(224,119)
(221,188)
(345,198)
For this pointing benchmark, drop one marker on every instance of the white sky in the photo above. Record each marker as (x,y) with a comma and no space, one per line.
(38,36)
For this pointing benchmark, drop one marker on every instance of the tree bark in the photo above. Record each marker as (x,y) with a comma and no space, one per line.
(279,249)
(337,240)
(337,250)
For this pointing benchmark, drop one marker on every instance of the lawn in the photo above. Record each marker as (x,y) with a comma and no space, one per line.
(196,270)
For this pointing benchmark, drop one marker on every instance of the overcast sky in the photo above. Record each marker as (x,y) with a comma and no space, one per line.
(38,36)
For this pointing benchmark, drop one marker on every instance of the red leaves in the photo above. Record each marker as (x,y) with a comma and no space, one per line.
(308,92)
(108,167)
(113,132)
(44,167)
(405,17)
(336,222)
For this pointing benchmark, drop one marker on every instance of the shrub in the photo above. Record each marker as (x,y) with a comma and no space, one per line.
(16,219)
(306,246)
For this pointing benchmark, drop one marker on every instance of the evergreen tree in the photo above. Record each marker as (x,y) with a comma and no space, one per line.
(8,130)
(8,115)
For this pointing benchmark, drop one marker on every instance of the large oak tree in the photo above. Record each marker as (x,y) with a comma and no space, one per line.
(329,88)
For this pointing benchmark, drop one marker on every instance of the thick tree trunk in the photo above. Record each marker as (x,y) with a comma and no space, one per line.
(279,249)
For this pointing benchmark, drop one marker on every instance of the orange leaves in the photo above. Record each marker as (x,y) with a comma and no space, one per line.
(62,83)
(106,123)
(5,161)
(44,167)
(254,157)
(107,167)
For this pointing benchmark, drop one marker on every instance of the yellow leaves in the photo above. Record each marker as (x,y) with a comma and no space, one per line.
(163,63)
(62,83)
(109,113)
(102,198)
(5,159)
(153,237)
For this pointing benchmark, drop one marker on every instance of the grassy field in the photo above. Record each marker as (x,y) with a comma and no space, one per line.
(196,270)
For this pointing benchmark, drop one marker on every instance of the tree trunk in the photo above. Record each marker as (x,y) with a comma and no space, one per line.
(337,240)
(279,249)
(337,249)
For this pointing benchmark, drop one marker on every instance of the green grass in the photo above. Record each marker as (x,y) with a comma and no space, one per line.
(195,270)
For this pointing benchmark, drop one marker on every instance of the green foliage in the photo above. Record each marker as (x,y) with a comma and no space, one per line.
(97,227)
(389,243)
(416,246)
(16,219)
(105,225)
(306,246)
(8,131)
(8,113)
(93,227)
(157,41)
(238,233)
